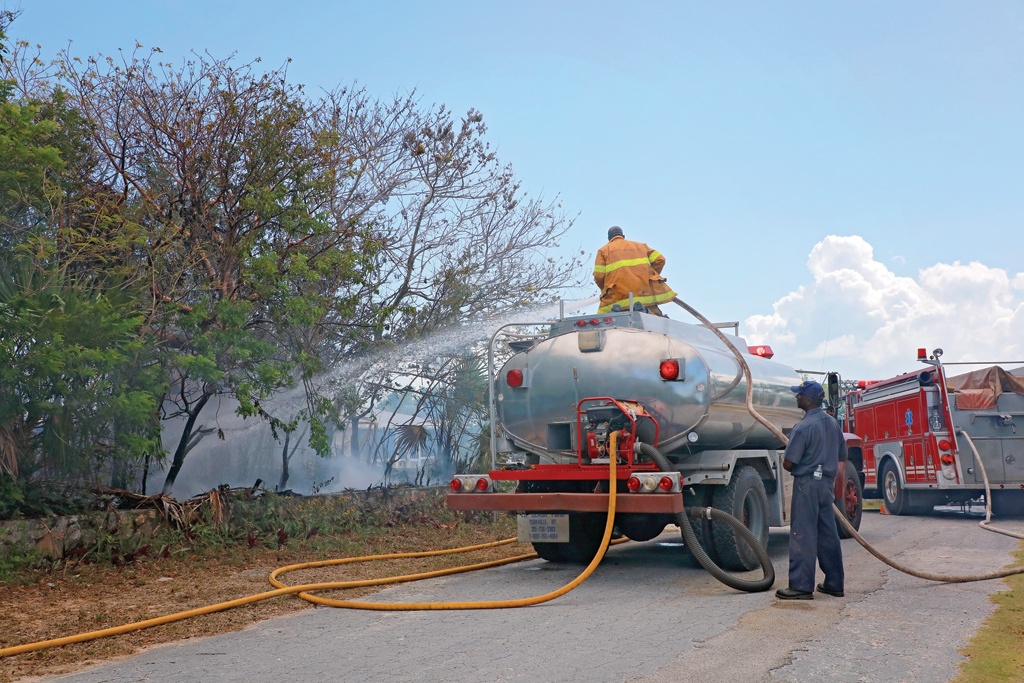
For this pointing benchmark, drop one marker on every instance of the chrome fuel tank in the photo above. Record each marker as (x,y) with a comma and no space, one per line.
(619,355)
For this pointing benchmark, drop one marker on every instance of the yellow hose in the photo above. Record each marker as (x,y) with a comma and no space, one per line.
(304,591)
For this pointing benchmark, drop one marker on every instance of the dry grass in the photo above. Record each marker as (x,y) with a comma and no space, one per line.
(80,598)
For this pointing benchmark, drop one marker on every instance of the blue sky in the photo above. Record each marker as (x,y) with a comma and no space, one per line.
(846,179)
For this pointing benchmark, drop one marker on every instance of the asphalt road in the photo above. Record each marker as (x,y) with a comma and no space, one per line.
(649,614)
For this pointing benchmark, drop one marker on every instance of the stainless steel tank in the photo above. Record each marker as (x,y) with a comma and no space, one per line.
(619,355)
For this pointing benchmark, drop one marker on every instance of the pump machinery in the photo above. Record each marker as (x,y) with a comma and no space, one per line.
(645,390)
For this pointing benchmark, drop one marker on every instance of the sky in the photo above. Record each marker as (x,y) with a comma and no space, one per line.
(844,179)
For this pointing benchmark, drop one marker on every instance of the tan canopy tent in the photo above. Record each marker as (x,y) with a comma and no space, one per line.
(980,389)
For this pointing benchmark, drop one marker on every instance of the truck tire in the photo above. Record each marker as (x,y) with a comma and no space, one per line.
(745,499)
(586,529)
(552,552)
(1008,503)
(641,527)
(852,500)
(894,496)
(700,497)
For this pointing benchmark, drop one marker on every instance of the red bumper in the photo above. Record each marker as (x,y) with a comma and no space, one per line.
(565,502)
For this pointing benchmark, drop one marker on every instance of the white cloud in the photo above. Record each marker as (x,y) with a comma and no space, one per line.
(858,317)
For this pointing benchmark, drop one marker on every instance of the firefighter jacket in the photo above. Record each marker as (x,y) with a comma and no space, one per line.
(623,267)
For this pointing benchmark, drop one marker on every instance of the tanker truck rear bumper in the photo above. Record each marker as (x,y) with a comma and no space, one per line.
(565,502)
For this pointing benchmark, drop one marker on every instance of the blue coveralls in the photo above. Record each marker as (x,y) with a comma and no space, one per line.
(816,440)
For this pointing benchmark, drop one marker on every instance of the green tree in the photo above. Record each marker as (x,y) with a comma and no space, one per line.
(74,399)
(218,165)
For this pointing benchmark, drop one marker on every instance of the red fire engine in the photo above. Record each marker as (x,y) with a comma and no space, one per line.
(914,454)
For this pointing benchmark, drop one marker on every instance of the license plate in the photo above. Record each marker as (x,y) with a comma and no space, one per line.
(544,528)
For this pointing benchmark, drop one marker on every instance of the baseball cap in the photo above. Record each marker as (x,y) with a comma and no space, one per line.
(810,389)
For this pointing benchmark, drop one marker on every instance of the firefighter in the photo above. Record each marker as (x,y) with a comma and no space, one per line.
(815,450)
(623,267)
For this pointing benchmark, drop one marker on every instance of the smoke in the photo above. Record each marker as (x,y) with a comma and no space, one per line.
(249,452)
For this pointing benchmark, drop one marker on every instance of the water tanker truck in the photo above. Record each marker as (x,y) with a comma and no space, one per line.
(667,399)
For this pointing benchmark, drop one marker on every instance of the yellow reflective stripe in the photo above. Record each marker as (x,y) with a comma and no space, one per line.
(624,263)
(661,298)
(654,256)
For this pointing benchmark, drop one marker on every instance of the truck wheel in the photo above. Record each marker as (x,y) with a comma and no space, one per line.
(552,552)
(700,497)
(745,499)
(893,494)
(641,527)
(586,529)
(1007,503)
(852,500)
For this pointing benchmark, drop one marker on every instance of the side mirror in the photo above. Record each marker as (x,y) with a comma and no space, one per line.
(832,383)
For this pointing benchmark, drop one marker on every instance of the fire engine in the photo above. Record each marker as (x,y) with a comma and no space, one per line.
(589,388)
(913,454)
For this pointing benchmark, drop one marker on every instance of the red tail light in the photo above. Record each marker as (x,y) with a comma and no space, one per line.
(669,369)
(633,484)
(456,485)
(666,484)
(514,378)
(947,460)
(763,351)
(944,444)
(482,484)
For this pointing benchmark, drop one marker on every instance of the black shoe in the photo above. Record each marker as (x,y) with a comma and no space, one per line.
(790,594)
(829,591)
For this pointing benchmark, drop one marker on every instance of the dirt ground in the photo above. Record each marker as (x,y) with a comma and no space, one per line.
(83,598)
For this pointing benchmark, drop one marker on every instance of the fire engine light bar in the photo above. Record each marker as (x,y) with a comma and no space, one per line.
(922,354)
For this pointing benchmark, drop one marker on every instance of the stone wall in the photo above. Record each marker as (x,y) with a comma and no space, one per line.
(54,536)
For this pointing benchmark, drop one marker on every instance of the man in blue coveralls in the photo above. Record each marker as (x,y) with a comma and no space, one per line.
(816,447)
